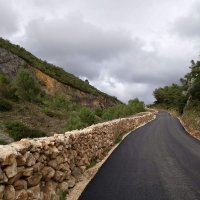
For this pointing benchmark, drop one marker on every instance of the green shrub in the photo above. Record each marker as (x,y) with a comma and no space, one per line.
(121,110)
(17,131)
(92,164)
(62,195)
(60,102)
(87,116)
(27,87)
(98,112)
(5,105)
(74,122)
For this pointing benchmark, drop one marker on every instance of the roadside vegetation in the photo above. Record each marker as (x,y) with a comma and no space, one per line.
(184,97)
(27,111)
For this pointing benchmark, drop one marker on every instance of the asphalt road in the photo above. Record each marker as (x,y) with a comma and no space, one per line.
(159,161)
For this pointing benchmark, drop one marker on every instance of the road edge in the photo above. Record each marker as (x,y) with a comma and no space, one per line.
(90,173)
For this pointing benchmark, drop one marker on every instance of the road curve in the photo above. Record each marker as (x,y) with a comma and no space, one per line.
(159,161)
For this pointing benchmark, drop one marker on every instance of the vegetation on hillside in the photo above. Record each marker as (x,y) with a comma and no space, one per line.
(183,97)
(52,70)
(26,111)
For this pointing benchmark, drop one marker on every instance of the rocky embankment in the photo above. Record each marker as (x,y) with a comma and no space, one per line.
(42,168)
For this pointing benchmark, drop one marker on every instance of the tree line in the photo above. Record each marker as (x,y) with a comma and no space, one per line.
(181,96)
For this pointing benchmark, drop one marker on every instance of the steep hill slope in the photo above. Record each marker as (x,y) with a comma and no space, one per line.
(54,79)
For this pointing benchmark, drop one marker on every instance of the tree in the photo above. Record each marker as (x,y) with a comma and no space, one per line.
(27,87)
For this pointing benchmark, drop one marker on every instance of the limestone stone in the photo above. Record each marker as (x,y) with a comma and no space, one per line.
(9,160)
(53,163)
(30,160)
(20,184)
(21,160)
(71,182)
(59,160)
(5,179)
(76,172)
(42,158)
(28,171)
(55,152)
(9,192)
(21,195)
(34,179)
(17,176)
(59,176)
(11,170)
(50,186)
(36,155)
(50,190)
(64,167)
(38,167)
(34,192)
(64,186)
(2,188)
(48,173)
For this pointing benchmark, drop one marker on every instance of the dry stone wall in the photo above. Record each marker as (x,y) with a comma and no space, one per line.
(41,168)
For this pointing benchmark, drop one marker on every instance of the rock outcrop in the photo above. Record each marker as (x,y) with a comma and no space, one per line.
(40,168)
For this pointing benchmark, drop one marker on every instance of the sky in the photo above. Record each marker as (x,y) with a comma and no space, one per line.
(126,48)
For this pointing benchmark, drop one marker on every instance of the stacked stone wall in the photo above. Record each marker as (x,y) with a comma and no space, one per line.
(41,168)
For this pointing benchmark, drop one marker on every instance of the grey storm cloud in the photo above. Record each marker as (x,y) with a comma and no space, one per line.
(126,48)
(76,45)
(9,21)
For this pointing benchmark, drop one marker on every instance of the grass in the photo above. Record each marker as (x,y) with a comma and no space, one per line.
(62,195)
(92,164)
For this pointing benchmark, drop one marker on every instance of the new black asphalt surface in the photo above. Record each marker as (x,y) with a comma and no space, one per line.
(159,161)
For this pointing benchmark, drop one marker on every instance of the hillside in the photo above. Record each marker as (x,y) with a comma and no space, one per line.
(183,98)
(13,57)
(39,99)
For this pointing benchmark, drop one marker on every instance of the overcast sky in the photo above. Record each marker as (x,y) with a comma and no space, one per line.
(126,48)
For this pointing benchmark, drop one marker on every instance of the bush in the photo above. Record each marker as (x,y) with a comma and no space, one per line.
(5,105)
(121,110)
(27,87)
(98,112)
(60,102)
(17,131)
(87,116)
(74,122)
